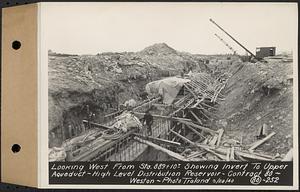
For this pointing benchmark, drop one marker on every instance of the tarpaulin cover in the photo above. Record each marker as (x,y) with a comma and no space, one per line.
(168,88)
(130,103)
(127,120)
(57,154)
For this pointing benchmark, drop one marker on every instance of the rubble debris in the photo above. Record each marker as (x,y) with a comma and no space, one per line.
(57,154)
(197,114)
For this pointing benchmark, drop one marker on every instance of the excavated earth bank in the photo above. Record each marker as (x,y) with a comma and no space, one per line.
(256,94)
(104,81)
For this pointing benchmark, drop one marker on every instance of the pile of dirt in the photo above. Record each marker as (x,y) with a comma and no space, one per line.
(80,85)
(256,94)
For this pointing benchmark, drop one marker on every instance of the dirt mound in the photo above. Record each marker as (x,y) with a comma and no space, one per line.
(98,84)
(256,94)
(158,49)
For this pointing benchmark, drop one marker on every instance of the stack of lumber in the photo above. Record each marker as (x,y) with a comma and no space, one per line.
(211,146)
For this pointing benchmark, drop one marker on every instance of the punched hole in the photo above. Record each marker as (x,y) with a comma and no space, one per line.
(16,148)
(16,45)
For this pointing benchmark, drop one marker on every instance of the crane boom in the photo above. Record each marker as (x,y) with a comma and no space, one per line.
(233,39)
(225,43)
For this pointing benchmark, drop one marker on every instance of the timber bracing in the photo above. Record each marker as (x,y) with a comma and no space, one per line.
(184,116)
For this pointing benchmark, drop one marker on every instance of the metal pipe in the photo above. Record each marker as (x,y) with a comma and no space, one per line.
(233,39)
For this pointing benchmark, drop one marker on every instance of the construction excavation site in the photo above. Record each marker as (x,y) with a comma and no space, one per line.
(160,104)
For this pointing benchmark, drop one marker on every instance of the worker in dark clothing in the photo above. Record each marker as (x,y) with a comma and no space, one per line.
(148,119)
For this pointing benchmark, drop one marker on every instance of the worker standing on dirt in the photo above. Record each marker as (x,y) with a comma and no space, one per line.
(148,119)
(182,72)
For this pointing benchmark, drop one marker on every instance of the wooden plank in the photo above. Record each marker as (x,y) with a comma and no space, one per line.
(218,92)
(211,150)
(216,154)
(210,114)
(200,87)
(231,157)
(199,127)
(112,114)
(197,87)
(214,140)
(204,114)
(182,125)
(160,105)
(191,91)
(194,115)
(195,131)
(198,102)
(163,117)
(196,154)
(258,143)
(97,125)
(221,131)
(183,138)
(205,147)
(263,155)
(228,154)
(181,100)
(208,106)
(159,140)
(239,157)
(162,149)
(252,156)
(200,146)
(243,154)
(147,103)
(95,150)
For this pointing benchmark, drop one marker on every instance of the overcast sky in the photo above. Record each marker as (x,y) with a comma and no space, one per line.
(90,28)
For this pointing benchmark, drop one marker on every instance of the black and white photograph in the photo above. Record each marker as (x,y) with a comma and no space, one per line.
(179,82)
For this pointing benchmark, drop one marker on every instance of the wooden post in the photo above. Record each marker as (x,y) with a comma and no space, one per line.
(63,132)
(258,143)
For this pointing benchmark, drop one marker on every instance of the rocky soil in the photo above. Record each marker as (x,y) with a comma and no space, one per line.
(256,94)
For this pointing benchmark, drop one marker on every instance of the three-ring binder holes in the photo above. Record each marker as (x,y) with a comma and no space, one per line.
(15,148)
(16,45)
